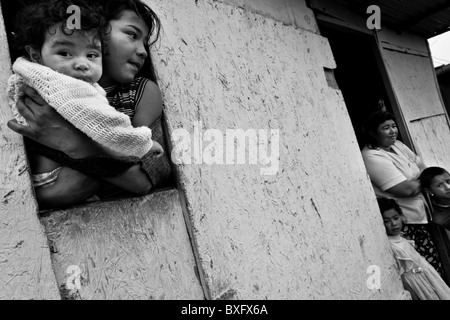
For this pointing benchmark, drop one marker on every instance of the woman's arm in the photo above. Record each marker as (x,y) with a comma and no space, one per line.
(406,189)
(49,128)
(149,107)
(386,176)
(71,187)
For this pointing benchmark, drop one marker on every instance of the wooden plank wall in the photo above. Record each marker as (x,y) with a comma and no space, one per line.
(25,268)
(309,231)
(412,76)
(134,249)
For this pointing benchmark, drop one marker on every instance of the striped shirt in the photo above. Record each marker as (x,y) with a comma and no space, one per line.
(125,98)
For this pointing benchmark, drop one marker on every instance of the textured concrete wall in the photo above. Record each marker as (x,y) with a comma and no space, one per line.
(412,76)
(25,269)
(312,229)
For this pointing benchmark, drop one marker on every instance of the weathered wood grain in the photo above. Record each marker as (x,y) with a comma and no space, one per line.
(417,92)
(412,78)
(432,138)
(311,230)
(129,249)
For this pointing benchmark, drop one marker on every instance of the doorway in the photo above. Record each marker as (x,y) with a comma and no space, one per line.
(358,76)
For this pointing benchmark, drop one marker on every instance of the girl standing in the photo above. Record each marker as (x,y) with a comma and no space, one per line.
(418,276)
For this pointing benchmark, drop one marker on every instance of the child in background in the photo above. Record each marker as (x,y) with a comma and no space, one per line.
(435,181)
(418,276)
(64,69)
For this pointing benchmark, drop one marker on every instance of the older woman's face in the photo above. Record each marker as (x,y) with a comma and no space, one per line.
(386,133)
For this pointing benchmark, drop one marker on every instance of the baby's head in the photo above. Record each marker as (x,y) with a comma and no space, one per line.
(436,182)
(392,216)
(43,31)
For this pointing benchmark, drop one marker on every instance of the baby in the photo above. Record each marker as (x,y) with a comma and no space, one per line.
(64,66)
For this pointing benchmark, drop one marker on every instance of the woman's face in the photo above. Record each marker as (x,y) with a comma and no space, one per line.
(386,134)
(126,51)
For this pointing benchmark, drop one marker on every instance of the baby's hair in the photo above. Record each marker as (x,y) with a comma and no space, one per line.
(386,204)
(34,20)
(114,8)
(427,175)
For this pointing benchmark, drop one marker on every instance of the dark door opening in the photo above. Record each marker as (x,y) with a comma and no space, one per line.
(357,75)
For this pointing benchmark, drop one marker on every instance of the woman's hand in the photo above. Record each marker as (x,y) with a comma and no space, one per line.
(157,150)
(48,127)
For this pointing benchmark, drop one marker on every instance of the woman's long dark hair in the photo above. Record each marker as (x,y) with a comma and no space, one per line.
(113,10)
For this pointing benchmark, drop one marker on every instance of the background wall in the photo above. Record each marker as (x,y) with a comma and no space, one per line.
(410,68)
(311,230)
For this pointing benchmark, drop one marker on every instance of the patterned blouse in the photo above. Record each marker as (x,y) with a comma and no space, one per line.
(125,99)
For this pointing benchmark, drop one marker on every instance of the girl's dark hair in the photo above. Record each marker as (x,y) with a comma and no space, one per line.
(114,8)
(371,125)
(427,175)
(386,204)
(33,21)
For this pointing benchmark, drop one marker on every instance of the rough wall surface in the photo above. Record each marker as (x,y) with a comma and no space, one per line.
(412,77)
(431,137)
(311,230)
(25,269)
(134,249)
(291,12)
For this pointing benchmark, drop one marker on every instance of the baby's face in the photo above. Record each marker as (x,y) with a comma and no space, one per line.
(75,54)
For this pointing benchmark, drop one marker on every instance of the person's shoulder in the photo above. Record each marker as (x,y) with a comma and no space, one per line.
(145,86)
(149,103)
(401,145)
(368,152)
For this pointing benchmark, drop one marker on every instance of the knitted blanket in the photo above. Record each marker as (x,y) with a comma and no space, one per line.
(82,104)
